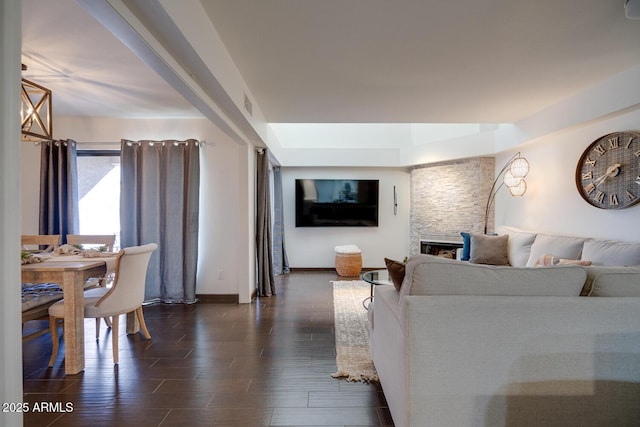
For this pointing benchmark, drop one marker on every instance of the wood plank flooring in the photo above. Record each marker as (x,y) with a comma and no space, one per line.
(263,364)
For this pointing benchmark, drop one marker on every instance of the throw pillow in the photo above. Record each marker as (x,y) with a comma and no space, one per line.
(466,246)
(485,249)
(550,260)
(560,246)
(396,272)
(608,252)
(519,247)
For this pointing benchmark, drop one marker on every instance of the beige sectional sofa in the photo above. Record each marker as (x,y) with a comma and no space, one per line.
(464,344)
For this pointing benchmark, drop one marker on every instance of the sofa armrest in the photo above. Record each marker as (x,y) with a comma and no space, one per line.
(500,361)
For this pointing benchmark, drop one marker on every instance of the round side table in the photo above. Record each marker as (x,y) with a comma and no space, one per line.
(375,278)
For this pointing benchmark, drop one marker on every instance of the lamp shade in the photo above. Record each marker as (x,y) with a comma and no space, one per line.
(520,189)
(510,180)
(519,167)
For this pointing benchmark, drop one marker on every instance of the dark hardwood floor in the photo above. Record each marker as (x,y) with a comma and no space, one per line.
(263,364)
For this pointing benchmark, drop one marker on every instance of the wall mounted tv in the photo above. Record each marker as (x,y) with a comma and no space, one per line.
(336,203)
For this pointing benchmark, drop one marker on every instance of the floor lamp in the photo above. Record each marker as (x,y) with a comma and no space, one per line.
(512,174)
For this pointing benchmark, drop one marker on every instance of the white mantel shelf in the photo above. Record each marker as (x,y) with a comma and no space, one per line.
(441,238)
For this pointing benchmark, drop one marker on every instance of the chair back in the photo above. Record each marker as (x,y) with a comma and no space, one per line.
(51,241)
(127,292)
(107,240)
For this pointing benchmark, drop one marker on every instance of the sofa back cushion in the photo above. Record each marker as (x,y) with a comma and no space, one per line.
(609,252)
(558,246)
(608,281)
(519,246)
(430,275)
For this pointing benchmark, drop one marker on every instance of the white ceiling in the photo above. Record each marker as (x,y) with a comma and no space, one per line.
(350,61)
(90,72)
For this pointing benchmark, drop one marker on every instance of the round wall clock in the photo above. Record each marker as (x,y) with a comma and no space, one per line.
(608,172)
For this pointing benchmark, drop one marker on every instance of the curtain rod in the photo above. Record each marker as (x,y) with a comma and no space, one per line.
(174,142)
(200,143)
(54,141)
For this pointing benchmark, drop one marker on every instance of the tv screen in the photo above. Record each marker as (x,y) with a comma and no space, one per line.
(336,203)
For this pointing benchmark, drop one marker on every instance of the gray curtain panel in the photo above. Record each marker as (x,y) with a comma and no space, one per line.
(280,261)
(266,285)
(58,188)
(159,203)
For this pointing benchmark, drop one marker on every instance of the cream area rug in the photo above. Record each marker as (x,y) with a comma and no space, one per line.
(352,331)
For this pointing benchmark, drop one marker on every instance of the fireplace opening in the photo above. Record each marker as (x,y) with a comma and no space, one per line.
(442,246)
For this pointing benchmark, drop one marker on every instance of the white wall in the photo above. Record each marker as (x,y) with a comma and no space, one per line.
(314,247)
(552,202)
(30,171)
(225,221)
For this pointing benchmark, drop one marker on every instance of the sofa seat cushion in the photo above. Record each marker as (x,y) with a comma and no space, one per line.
(609,252)
(430,275)
(559,246)
(610,281)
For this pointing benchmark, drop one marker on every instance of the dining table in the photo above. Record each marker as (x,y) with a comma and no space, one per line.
(70,272)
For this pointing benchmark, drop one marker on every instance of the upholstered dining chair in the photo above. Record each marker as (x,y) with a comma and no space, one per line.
(125,295)
(51,241)
(107,240)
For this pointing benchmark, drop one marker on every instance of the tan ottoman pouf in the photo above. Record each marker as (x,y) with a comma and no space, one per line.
(348,260)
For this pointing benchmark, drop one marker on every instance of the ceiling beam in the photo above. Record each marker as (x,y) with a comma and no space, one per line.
(119,18)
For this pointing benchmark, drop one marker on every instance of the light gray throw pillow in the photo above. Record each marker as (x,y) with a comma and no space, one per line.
(609,252)
(558,246)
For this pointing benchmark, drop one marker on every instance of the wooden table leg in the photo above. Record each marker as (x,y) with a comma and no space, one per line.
(73,288)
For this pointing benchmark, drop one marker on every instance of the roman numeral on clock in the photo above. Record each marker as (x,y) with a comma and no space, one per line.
(614,142)
(589,188)
(598,149)
(613,199)
(599,196)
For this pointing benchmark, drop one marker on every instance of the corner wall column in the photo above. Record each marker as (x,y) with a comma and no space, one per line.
(10,161)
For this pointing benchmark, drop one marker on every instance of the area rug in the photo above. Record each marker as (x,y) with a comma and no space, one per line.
(352,332)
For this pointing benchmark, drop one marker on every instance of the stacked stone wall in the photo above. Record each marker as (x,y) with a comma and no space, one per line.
(450,197)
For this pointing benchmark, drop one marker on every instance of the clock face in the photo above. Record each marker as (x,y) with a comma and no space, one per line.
(608,172)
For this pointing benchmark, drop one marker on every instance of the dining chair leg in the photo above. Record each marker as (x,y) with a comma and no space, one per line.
(97,328)
(143,325)
(55,339)
(107,322)
(114,337)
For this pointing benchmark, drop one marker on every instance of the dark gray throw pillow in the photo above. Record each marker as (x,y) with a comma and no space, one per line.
(485,249)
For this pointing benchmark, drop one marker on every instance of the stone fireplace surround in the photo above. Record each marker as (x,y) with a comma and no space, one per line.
(447,198)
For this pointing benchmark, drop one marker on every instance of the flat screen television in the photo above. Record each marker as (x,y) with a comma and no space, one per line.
(336,202)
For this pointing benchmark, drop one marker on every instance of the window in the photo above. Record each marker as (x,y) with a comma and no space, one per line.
(99,192)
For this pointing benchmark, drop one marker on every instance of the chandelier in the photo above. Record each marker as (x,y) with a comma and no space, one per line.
(35,111)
